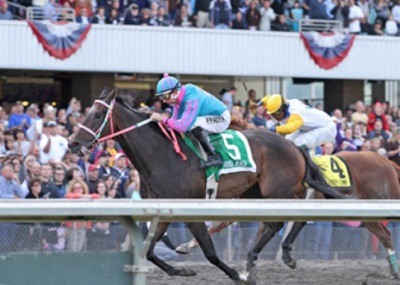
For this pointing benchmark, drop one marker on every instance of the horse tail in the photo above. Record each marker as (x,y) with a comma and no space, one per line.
(314,178)
(237,123)
(396,168)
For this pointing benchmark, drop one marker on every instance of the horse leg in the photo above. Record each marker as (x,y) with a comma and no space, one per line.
(170,270)
(266,232)
(199,231)
(287,244)
(215,227)
(384,236)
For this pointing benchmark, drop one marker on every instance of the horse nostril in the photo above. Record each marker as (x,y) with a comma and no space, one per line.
(73,145)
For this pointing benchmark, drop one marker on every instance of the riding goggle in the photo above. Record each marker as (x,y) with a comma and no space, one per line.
(168,95)
(277,113)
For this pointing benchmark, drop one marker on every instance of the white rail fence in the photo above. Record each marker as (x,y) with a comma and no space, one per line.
(129,212)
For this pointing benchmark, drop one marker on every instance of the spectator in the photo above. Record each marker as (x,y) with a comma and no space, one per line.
(359,114)
(49,189)
(21,144)
(132,186)
(391,28)
(296,14)
(9,184)
(238,23)
(18,119)
(51,11)
(59,181)
(161,19)
(341,13)
(93,178)
(84,17)
(77,230)
(382,11)
(113,17)
(396,13)
(132,17)
(120,172)
(99,18)
(228,97)
(376,29)
(202,12)
(267,16)
(281,25)
(393,147)
(253,16)
(355,17)
(220,14)
(5,14)
(52,145)
(378,132)
(35,189)
(358,137)
(101,189)
(145,17)
(377,114)
(183,19)
(259,118)
(315,8)
(104,164)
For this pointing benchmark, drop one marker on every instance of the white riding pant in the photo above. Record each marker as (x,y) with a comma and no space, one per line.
(314,137)
(212,123)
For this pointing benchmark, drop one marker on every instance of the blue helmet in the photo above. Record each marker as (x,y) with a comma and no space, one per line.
(167,84)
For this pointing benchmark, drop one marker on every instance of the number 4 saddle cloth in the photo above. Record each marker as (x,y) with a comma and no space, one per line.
(335,171)
(234,150)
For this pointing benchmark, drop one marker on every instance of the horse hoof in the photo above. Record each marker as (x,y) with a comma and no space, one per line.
(291,263)
(187,272)
(182,249)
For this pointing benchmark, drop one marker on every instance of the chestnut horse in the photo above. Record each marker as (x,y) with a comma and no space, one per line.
(282,171)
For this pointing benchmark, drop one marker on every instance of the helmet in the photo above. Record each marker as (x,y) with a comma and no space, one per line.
(275,103)
(167,84)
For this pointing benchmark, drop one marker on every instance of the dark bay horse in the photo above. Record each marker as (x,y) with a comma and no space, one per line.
(282,170)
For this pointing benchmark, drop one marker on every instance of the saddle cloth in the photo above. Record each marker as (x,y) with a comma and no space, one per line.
(335,171)
(234,150)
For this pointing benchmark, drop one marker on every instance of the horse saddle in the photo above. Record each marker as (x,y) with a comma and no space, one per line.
(233,148)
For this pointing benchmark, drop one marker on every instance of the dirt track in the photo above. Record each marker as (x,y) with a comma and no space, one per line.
(344,272)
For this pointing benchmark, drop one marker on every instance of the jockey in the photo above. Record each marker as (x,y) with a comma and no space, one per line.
(196,111)
(305,126)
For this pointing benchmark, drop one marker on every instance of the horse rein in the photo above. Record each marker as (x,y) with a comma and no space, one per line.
(96,134)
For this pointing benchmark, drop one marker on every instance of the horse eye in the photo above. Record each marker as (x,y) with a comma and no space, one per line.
(97,115)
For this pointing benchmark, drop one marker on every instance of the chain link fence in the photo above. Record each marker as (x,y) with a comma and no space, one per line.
(317,241)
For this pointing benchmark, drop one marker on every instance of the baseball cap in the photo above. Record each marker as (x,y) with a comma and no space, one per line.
(119,155)
(93,167)
(50,124)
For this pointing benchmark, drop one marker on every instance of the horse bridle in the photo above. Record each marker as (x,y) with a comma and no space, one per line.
(96,134)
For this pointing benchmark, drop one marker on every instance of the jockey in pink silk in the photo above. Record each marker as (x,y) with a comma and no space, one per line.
(195,110)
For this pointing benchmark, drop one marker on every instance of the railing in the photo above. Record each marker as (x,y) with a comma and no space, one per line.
(310,25)
(129,212)
(39,13)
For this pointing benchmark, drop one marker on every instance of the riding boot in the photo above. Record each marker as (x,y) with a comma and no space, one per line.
(213,158)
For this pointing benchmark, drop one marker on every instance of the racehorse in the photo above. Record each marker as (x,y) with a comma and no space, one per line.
(374,177)
(282,171)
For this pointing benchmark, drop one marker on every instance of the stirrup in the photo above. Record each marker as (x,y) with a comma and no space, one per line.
(213,160)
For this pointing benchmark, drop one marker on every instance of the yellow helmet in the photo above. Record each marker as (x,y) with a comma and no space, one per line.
(274,103)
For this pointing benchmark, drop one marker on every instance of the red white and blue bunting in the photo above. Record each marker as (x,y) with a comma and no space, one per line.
(327,50)
(61,39)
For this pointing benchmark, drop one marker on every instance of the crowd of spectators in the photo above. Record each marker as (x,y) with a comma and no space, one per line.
(373,17)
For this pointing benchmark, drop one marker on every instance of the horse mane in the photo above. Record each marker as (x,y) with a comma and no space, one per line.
(237,123)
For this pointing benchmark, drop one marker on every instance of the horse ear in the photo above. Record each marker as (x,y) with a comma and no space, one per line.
(104,93)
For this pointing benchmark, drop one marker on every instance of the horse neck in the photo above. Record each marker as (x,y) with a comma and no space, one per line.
(146,147)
